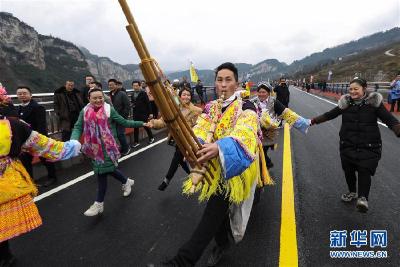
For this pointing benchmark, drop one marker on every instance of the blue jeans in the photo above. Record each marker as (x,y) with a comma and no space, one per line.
(102,183)
(122,138)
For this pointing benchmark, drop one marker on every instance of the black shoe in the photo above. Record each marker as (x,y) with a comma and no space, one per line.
(151,140)
(216,255)
(49,182)
(270,166)
(162,186)
(135,145)
(124,153)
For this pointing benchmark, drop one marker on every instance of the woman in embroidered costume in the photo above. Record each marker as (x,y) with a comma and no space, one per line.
(360,138)
(97,123)
(18,212)
(190,112)
(271,113)
(235,155)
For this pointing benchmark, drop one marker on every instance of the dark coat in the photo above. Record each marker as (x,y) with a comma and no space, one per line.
(35,115)
(360,138)
(85,95)
(121,103)
(282,94)
(8,110)
(141,106)
(61,108)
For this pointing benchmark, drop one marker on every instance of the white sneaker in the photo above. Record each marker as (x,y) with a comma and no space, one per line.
(362,204)
(127,187)
(95,209)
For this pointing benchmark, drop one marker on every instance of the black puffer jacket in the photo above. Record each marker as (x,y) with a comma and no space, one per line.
(360,138)
(140,106)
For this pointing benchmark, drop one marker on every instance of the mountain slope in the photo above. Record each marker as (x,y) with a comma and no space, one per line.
(371,64)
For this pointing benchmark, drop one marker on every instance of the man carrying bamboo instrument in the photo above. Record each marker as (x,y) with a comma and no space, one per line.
(234,152)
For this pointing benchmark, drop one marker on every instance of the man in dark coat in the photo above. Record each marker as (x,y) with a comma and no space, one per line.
(67,105)
(121,104)
(282,92)
(199,91)
(141,111)
(35,115)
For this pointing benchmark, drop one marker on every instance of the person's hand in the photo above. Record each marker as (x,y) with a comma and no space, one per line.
(207,152)
(77,147)
(149,124)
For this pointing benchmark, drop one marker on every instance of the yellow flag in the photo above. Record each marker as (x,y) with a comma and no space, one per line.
(193,75)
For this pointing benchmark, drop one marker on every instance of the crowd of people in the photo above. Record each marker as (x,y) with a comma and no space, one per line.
(245,129)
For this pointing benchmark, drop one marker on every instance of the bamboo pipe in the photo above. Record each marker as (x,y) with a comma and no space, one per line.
(185,128)
(196,175)
(188,147)
(131,20)
(149,71)
(168,115)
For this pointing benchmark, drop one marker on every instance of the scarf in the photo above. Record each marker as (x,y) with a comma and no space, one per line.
(97,134)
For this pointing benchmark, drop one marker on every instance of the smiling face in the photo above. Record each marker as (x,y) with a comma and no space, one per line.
(96,98)
(262,94)
(225,83)
(186,97)
(112,86)
(356,91)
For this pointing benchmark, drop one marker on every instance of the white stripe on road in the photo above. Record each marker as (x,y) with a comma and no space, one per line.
(86,175)
(330,102)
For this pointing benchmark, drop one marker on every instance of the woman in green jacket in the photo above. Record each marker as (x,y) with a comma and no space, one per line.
(96,123)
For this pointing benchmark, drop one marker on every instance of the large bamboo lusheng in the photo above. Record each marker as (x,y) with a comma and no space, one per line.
(177,125)
(196,173)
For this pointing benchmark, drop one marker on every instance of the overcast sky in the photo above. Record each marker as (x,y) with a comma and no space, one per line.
(208,32)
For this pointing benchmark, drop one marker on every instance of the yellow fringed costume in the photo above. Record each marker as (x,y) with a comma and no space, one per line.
(237,130)
(18,212)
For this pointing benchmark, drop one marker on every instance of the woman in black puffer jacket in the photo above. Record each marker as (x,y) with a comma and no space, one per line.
(360,138)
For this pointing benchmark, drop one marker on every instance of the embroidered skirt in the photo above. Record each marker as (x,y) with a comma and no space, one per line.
(17,217)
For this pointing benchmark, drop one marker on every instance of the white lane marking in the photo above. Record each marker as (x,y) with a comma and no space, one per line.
(330,102)
(86,175)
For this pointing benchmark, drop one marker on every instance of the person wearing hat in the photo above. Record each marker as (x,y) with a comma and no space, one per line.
(271,112)
(360,138)
(18,212)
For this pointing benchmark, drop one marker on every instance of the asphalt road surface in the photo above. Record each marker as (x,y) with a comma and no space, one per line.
(150,226)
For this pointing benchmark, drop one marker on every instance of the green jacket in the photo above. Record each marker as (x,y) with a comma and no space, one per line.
(108,165)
